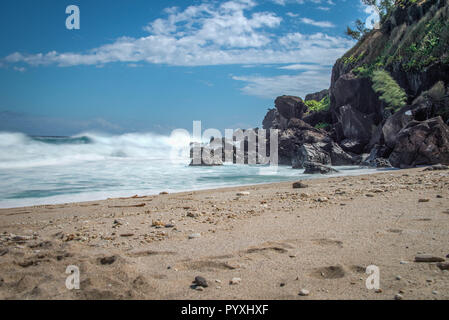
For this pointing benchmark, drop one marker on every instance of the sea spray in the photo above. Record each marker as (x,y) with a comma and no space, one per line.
(92,166)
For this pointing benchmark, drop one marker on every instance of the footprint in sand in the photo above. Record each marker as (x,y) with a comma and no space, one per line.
(205,265)
(328,242)
(330,272)
(270,247)
(148,253)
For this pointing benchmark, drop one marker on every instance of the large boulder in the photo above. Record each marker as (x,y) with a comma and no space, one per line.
(207,159)
(270,118)
(358,93)
(394,124)
(313,153)
(286,108)
(339,157)
(274,120)
(378,157)
(427,105)
(421,143)
(355,124)
(293,138)
(432,103)
(290,107)
(324,152)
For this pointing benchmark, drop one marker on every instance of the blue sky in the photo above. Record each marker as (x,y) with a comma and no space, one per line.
(142,65)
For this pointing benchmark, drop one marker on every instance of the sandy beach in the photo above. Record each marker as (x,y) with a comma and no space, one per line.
(276,239)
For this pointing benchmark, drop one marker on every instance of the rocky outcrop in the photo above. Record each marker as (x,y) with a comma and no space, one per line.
(317,96)
(361,122)
(317,168)
(270,120)
(378,157)
(394,124)
(203,156)
(302,143)
(286,108)
(290,107)
(314,118)
(355,124)
(352,145)
(421,143)
(311,153)
(357,92)
(359,125)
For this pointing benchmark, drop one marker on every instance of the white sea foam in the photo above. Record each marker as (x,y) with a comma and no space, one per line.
(92,166)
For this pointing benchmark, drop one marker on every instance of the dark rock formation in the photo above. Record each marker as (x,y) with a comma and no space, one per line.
(286,108)
(317,96)
(207,160)
(299,185)
(316,168)
(362,128)
(437,167)
(290,107)
(394,124)
(352,145)
(270,119)
(311,153)
(357,93)
(314,118)
(355,124)
(360,120)
(421,143)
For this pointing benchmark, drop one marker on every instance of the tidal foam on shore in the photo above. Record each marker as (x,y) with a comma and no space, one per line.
(49,170)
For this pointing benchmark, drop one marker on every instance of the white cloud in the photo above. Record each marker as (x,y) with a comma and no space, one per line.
(321,24)
(303,67)
(19,69)
(279,2)
(298,85)
(210,33)
(218,33)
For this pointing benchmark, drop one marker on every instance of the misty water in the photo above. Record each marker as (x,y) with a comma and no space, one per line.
(49,170)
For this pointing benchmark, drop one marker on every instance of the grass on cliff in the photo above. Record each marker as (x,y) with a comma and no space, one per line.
(322,125)
(412,47)
(391,93)
(427,43)
(316,106)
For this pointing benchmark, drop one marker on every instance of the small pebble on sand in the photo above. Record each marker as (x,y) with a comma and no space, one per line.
(200,282)
(304,292)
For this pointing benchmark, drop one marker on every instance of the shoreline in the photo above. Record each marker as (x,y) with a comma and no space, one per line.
(81,196)
(276,239)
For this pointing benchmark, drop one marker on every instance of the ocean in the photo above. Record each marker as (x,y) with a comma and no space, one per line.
(92,166)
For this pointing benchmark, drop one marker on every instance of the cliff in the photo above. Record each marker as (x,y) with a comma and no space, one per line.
(388,101)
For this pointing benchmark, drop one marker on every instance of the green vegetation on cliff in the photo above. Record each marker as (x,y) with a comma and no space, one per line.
(317,106)
(322,125)
(404,39)
(391,93)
